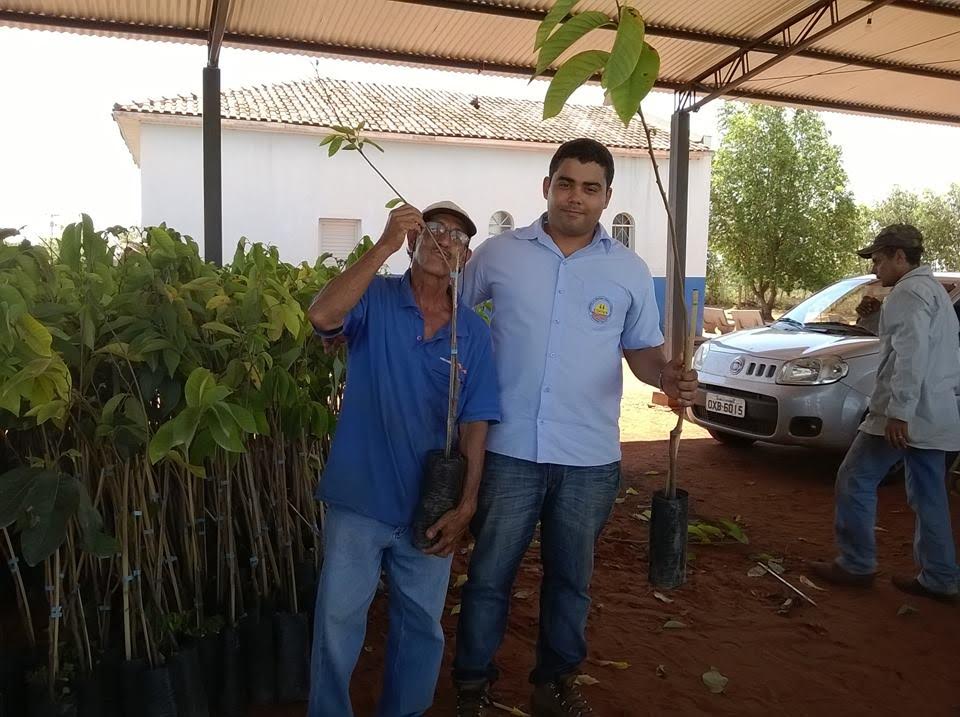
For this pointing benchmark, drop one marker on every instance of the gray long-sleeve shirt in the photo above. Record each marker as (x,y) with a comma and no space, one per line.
(919,375)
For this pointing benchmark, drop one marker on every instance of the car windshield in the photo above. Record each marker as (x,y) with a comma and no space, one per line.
(836,307)
(849,306)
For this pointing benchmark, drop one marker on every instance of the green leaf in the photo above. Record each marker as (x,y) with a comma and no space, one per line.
(219,327)
(88,330)
(395,202)
(569,33)
(48,525)
(626,97)
(162,243)
(574,72)
(171,359)
(734,531)
(371,142)
(70,247)
(177,432)
(243,417)
(200,381)
(327,140)
(560,9)
(334,146)
(95,541)
(110,407)
(15,487)
(45,411)
(35,335)
(626,48)
(121,350)
(225,430)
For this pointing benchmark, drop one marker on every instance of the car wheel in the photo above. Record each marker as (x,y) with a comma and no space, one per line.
(731,440)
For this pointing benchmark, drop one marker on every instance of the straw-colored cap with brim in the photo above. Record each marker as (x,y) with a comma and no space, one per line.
(448,207)
(895,236)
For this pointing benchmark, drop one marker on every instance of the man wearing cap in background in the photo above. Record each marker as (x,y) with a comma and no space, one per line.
(394,412)
(913,417)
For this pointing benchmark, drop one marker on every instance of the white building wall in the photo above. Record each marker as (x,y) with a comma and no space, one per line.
(278,184)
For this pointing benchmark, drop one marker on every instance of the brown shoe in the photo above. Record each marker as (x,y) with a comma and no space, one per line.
(472,699)
(912,586)
(834,574)
(561,698)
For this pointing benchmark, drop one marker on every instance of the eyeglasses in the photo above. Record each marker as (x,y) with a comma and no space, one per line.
(455,235)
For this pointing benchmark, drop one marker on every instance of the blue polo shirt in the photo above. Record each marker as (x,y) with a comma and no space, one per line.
(559,324)
(395,402)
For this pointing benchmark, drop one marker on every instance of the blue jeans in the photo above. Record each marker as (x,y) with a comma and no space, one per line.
(572,504)
(355,548)
(866,464)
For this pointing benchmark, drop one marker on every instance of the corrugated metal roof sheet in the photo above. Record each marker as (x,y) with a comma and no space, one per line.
(843,70)
(395,109)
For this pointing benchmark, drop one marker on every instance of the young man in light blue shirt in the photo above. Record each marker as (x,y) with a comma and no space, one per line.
(394,412)
(568,303)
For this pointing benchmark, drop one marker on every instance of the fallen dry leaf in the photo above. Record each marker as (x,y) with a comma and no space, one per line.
(619,500)
(674,625)
(756,572)
(785,606)
(587,680)
(618,665)
(461,580)
(882,530)
(652,473)
(810,584)
(716,682)
(514,711)
(632,491)
(907,610)
(661,671)
(661,597)
(455,610)
(522,594)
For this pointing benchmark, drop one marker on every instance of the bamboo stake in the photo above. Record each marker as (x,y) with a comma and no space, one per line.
(125,562)
(22,603)
(671,490)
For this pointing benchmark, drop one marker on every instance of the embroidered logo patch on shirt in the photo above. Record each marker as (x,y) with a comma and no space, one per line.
(600,309)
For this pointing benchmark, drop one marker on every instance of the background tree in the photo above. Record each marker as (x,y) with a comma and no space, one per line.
(781,216)
(936,215)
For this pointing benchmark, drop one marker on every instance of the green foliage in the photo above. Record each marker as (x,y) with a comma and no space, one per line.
(936,215)
(139,388)
(781,216)
(628,72)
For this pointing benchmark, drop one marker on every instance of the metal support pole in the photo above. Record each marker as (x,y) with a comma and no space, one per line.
(212,189)
(678,190)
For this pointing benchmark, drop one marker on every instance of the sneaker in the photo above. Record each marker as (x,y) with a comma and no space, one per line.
(561,698)
(912,586)
(472,699)
(834,574)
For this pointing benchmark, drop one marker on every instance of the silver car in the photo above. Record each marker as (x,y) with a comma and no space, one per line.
(804,380)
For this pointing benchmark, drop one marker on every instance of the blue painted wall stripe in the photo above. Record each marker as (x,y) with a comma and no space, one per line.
(692,282)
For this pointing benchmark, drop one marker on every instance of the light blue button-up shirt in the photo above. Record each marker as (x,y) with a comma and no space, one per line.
(559,324)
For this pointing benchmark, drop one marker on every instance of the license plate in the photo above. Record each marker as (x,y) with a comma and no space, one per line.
(726,405)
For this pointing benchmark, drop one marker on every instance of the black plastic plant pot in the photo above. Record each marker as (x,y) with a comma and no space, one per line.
(188,686)
(293,657)
(305,573)
(39,704)
(259,651)
(89,692)
(209,652)
(233,692)
(131,671)
(109,676)
(14,665)
(439,493)
(668,540)
(156,689)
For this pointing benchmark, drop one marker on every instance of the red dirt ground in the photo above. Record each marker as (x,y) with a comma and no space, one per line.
(852,655)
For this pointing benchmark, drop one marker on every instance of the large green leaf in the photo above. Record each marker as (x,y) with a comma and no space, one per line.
(560,9)
(569,33)
(225,430)
(626,48)
(627,97)
(574,72)
(15,487)
(70,246)
(35,335)
(95,541)
(48,526)
(243,417)
(220,327)
(176,432)
(201,381)
(45,411)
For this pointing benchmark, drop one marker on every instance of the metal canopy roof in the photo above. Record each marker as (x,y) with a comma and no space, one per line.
(898,58)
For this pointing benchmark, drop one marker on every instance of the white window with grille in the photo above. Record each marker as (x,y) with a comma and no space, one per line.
(339,236)
(622,229)
(500,222)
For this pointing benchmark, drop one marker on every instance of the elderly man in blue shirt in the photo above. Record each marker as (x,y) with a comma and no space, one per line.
(394,412)
(568,303)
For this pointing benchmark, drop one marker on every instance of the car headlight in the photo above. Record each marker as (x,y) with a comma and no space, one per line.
(812,371)
(701,355)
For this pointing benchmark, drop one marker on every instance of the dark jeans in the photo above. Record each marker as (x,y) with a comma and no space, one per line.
(572,504)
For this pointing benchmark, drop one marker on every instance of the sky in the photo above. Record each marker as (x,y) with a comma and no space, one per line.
(61,152)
